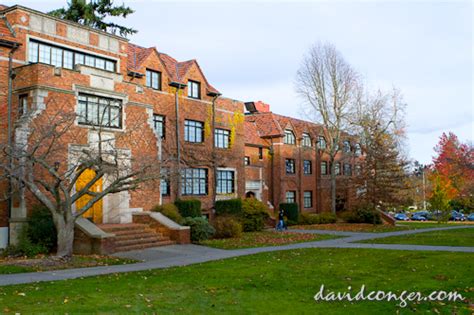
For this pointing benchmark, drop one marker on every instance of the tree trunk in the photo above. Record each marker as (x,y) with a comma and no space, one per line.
(65,230)
(333,186)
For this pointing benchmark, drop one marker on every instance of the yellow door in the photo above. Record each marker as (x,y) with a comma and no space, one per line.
(95,212)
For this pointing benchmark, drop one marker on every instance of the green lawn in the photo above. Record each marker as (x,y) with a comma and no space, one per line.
(455,237)
(370,228)
(265,238)
(268,283)
(20,265)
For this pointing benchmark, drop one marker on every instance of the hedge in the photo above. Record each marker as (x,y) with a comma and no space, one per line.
(189,208)
(291,212)
(231,206)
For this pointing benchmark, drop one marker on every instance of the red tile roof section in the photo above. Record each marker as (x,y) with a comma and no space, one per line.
(176,70)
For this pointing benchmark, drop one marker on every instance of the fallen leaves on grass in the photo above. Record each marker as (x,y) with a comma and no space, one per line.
(266,238)
(351,227)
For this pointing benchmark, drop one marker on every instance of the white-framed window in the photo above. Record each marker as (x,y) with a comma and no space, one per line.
(306,140)
(99,111)
(289,137)
(246,160)
(165,187)
(290,166)
(358,170)
(346,146)
(194,181)
(337,168)
(159,125)
(65,58)
(357,149)
(308,199)
(225,182)
(193,131)
(322,142)
(324,168)
(22,104)
(291,196)
(153,79)
(307,167)
(194,89)
(221,138)
(347,169)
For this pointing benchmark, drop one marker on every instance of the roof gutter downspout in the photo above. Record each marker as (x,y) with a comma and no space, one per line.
(215,96)
(178,86)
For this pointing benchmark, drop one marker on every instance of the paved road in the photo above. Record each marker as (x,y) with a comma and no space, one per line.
(182,255)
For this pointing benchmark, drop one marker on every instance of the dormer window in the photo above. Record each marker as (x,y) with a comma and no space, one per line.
(347,146)
(289,137)
(153,79)
(194,89)
(322,142)
(306,141)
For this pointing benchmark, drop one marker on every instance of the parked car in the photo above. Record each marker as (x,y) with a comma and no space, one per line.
(418,217)
(426,214)
(470,217)
(457,216)
(401,217)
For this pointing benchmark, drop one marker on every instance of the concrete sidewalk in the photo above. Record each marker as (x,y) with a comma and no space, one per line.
(183,255)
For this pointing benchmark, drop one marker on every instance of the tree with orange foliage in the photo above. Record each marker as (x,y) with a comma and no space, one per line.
(453,171)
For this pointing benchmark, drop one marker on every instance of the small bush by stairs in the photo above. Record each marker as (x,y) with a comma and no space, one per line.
(133,236)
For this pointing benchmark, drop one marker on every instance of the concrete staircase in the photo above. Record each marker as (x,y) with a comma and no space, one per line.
(133,236)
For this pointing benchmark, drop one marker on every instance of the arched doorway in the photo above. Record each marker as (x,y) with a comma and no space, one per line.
(94,213)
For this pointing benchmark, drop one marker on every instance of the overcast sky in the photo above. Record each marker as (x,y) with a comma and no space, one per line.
(252,50)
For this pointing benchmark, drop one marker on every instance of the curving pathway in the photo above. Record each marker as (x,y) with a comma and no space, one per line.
(182,255)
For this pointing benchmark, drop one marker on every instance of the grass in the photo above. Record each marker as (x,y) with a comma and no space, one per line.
(281,282)
(20,265)
(370,228)
(455,237)
(265,238)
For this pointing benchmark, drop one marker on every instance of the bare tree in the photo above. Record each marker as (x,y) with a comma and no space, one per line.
(327,85)
(55,153)
(379,122)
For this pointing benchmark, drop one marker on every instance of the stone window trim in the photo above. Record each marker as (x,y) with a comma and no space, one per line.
(100,93)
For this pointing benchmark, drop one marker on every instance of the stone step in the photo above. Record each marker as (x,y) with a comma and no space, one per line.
(136,241)
(139,235)
(132,233)
(143,245)
(112,228)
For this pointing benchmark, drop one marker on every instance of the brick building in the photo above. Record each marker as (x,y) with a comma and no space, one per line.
(286,161)
(177,114)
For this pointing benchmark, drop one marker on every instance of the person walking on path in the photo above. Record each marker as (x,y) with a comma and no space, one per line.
(281,221)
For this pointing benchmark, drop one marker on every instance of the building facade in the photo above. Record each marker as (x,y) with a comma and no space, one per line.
(58,66)
(286,161)
(152,105)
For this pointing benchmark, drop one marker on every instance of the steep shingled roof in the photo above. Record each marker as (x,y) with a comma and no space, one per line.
(268,125)
(176,70)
